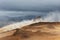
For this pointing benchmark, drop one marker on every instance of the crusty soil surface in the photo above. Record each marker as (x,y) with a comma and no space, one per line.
(38,31)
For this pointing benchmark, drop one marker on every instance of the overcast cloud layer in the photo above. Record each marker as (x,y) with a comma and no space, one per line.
(30,5)
(16,10)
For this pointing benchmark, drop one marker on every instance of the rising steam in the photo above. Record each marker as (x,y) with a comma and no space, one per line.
(51,17)
(18,25)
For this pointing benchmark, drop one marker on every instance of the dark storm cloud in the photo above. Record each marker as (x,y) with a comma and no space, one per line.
(30,5)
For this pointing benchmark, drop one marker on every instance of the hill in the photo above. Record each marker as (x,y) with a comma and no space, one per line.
(37,31)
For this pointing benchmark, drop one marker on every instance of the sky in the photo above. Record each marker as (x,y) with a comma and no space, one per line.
(15,10)
(12,6)
(30,5)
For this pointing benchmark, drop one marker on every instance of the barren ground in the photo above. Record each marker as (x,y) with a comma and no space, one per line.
(38,31)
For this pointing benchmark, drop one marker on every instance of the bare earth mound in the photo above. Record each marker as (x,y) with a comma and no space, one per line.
(37,31)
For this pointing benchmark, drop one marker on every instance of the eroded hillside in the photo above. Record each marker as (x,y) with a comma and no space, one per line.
(37,31)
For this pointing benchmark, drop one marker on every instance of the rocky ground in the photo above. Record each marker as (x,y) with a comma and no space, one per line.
(37,31)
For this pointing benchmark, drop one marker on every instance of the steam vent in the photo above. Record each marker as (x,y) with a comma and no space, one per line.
(35,31)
